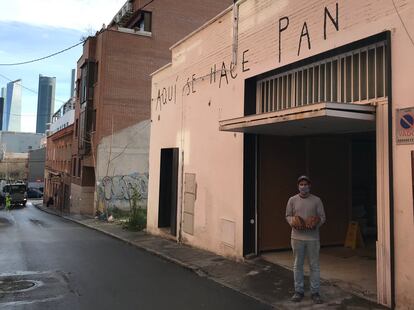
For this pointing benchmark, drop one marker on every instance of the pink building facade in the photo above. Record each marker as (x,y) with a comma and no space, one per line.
(269,90)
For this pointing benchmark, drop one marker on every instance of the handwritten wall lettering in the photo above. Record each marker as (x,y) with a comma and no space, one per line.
(158,100)
(223,74)
(305,34)
(166,94)
(213,72)
(220,76)
(189,86)
(192,83)
(171,92)
(244,61)
(335,21)
(233,72)
(284,20)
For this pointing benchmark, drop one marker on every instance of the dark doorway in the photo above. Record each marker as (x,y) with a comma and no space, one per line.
(167,215)
(343,173)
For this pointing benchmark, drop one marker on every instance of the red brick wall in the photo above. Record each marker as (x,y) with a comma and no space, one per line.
(125,61)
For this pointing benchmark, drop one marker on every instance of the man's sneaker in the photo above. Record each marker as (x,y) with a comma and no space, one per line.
(317,299)
(297,297)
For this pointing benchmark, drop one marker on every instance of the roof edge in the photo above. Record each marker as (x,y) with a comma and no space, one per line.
(202,27)
(161,69)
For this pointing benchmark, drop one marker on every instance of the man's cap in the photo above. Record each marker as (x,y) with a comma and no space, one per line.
(304,178)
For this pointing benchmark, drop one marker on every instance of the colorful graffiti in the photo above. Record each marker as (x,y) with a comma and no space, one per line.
(121,187)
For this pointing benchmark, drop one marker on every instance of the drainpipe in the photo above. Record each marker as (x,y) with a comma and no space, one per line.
(236,5)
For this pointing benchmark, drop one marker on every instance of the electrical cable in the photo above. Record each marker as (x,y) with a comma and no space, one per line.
(27,88)
(59,52)
(42,58)
(143,7)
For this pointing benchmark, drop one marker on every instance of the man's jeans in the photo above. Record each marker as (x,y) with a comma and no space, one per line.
(310,248)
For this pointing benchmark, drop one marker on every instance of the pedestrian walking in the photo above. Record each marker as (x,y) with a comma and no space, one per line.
(8,202)
(305,214)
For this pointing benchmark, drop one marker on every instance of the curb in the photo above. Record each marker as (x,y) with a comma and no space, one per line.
(197,270)
(131,243)
(169,258)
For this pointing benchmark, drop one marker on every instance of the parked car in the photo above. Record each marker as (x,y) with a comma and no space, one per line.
(34,193)
(17,192)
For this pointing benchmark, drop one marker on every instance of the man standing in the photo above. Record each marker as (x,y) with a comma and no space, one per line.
(305,214)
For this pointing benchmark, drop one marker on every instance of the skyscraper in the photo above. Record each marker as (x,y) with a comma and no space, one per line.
(2,101)
(45,102)
(72,84)
(3,92)
(13,107)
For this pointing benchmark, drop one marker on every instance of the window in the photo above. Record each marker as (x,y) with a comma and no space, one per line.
(83,84)
(82,135)
(96,72)
(144,21)
(87,79)
(79,167)
(76,128)
(358,77)
(74,166)
(94,120)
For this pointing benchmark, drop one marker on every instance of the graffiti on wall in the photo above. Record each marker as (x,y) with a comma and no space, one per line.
(119,188)
(221,74)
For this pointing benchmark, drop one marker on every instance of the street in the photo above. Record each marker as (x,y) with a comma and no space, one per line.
(47,262)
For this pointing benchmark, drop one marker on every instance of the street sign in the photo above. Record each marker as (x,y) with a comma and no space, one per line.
(405,126)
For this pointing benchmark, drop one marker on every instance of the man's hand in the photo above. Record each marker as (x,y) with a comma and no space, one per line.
(298,223)
(312,222)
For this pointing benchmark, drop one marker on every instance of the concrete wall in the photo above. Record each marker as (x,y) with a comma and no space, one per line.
(19,142)
(207,92)
(13,166)
(64,121)
(36,169)
(81,199)
(122,164)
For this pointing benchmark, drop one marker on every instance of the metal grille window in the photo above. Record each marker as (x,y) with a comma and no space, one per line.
(355,77)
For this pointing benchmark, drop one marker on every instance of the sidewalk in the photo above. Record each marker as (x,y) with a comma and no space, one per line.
(263,281)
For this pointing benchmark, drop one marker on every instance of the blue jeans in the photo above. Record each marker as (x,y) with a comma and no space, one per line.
(310,248)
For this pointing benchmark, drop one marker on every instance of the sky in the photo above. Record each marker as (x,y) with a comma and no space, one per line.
(33,29)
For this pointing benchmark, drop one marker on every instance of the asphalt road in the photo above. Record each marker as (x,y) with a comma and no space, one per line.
(47,262)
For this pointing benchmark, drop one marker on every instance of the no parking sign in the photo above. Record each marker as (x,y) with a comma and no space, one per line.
(405,126)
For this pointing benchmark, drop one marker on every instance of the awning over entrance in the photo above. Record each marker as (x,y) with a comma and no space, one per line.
(319,118)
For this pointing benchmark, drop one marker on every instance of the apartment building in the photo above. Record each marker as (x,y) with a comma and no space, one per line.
(113,78)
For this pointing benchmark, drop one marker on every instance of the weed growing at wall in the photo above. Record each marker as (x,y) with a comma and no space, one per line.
(137,220)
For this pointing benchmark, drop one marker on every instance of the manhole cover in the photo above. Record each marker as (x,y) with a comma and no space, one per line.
(29,287)
(13,286)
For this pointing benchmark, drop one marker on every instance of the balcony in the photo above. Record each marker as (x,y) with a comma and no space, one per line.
(124,14)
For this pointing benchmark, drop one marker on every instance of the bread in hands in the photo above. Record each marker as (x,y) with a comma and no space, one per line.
(298,222)
(312,221)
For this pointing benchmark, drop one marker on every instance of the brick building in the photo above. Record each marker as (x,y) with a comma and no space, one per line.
(113,82)
(58,168)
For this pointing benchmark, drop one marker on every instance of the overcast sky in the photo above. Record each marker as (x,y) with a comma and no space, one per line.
(32,29)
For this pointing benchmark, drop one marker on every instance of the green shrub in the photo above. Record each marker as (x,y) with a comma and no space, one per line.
(137,219)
